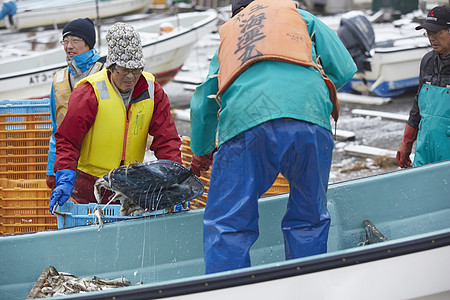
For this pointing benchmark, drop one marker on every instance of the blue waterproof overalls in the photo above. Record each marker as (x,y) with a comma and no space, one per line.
(249,164)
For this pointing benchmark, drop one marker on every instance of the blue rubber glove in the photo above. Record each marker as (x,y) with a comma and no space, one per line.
(65,182)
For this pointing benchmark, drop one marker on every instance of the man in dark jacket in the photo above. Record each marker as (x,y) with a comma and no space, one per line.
(109,117)
(429,118)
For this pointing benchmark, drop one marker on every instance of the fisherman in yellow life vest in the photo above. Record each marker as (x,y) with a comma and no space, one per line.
(109,118)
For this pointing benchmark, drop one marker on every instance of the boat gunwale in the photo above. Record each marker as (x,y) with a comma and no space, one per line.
(278,270)
(394,49)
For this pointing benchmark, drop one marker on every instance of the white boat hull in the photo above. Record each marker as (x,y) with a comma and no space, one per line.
(165,54)
(395,61)
(404,277)
(394,71)
(47,13)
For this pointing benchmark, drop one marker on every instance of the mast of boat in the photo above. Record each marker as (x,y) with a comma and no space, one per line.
(174,8)
(98,27)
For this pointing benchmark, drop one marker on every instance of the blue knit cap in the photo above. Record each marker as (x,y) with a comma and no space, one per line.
(82,28)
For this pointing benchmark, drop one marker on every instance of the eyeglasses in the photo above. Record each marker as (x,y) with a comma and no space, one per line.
(434,33)
(67,41)
(122,71)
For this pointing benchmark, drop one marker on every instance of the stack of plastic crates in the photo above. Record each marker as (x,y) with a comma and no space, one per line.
(186,157)
(25,128)
(279,186)
(24,206)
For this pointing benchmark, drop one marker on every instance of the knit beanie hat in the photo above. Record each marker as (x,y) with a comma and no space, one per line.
(82,28)
(124,47)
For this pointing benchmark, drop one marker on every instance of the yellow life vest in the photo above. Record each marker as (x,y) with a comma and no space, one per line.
(115,137)
(266,30)
(62,88)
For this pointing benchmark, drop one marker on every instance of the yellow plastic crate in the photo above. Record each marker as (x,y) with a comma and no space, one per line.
(24,206)
(6,229)
(24,141)
(28,121)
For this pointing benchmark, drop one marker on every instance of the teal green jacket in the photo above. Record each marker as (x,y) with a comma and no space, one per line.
(270,90)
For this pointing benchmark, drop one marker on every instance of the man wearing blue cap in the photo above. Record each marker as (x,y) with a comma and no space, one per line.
(429,118)
(82,60)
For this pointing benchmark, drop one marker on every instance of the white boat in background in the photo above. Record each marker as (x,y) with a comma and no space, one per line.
(30,74)
(394,69)
(35,13)
(392,56)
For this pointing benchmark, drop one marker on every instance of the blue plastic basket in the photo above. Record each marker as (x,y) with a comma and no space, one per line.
(72,214)
(25,106)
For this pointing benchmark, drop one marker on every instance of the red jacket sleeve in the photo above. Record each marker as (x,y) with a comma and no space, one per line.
(80,117)
(166,142)
(81,113)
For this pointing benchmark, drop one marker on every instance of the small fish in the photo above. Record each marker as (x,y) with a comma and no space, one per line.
(130,208)
(115,282)
(61,283)
(98,215)
(373,234)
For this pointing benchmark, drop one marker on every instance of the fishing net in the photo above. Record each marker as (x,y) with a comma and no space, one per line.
(155,185)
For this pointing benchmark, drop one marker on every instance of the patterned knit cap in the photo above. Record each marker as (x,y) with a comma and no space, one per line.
(124,47)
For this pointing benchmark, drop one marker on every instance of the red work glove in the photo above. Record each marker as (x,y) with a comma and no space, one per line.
(51,181)
(201,163)
(404,151)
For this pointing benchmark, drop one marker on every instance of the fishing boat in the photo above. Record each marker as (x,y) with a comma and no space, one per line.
(30,74)
(35,13)
(389,239)
(395,71)
(393,67)
(391,52)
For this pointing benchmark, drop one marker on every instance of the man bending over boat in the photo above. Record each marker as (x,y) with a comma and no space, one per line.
(429,118)
(272,106)
(82,60)
(109,117)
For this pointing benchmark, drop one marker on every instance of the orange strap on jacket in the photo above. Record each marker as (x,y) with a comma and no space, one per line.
(266,30)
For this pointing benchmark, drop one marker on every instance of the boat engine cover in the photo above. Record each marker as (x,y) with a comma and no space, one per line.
(357,35)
